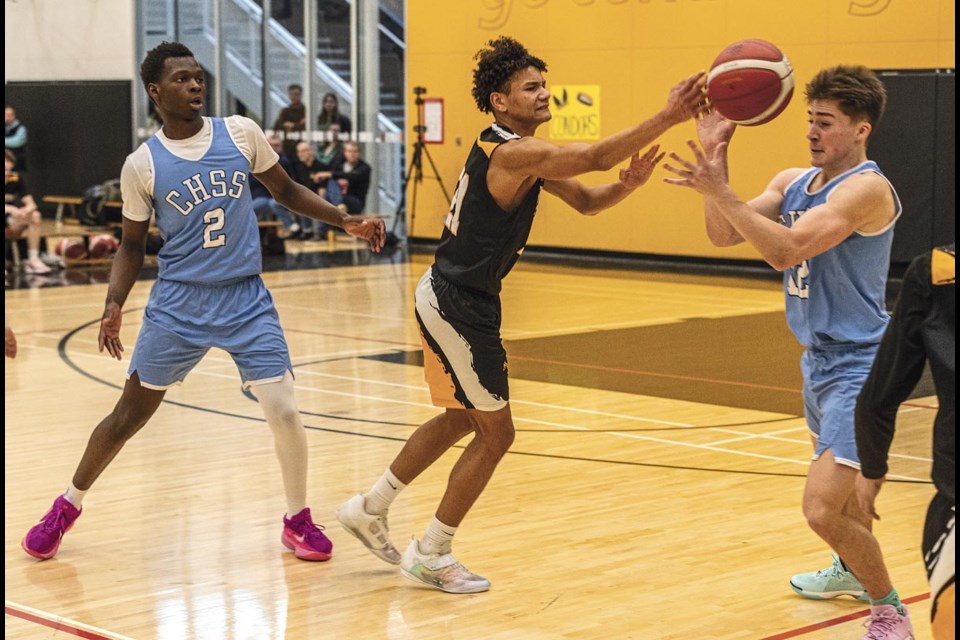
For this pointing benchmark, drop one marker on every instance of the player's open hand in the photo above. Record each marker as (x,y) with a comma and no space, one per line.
(712,129)
(707,174)
(109,338)
(641,168)
(369,228)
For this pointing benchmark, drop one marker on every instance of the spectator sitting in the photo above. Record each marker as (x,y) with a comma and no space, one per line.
(332,150)
(330,114)
(292,119)
(264,205)
(15,138)
(308,171)
(352,175)
(21,214)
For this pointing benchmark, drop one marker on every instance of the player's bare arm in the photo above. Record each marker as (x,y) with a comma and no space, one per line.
(708,176)
(123,274)
(302,200)
(862,203)
(592,200)
(531,156)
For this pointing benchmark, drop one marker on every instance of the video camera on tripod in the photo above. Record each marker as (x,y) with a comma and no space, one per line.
(415,170)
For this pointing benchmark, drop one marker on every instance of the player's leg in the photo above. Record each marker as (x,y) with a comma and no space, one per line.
(430,560)
(256,342)
(827,507)
(34,264)
(837,579)
(162,359)
(464,362)
(364,515)
(829,504)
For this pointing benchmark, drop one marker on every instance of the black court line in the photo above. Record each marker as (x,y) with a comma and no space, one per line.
(65,357)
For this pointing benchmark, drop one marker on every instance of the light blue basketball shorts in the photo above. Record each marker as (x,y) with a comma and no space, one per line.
(832,380)
(183,321)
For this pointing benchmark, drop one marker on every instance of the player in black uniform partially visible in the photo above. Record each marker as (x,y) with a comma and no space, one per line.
(923,329)
(457,300)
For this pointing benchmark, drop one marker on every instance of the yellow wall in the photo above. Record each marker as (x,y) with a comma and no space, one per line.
(635,50)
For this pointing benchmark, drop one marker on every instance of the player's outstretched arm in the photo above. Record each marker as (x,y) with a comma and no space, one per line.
(592,200)
(301,200)
(531,156)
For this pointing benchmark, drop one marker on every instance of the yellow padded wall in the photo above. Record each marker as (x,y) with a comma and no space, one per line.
(635,50)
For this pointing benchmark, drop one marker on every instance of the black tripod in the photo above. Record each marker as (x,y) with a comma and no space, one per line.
(415,170)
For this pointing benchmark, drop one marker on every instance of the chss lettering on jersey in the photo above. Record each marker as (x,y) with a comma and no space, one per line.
(798,284)
(200,188)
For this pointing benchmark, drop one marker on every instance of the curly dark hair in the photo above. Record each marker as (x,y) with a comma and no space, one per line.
(497,62)
(857,90)
(152,67)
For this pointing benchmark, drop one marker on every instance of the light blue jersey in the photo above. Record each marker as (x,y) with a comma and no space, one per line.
(209,292)
(205,213)
(838,297)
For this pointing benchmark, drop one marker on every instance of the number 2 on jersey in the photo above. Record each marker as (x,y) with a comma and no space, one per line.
(453,217)
(213,222)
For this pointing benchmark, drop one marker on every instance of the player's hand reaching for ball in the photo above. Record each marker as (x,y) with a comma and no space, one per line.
(641,168)
(707,174)
(688,99)
(712,129)
(369,228)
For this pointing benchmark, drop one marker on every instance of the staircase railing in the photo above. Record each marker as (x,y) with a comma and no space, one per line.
(192,22)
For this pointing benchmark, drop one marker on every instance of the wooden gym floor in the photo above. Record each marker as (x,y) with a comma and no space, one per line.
(653,490)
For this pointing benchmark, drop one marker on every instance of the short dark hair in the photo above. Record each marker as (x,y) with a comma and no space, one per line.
(496,64)
(857,90)
(152,67)
(294,86)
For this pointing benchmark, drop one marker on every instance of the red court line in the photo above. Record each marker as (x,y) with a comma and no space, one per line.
(835,621)
(58,623)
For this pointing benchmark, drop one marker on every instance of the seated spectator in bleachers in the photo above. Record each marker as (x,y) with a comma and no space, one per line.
(264,205)
(352,175)
(332,148)
(15,138)
(22,215)
(307,171)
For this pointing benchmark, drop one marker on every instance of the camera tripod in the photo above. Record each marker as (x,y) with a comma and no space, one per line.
(415,170)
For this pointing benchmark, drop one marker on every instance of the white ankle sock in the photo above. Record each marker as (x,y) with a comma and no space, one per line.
(438,538)
(33,254)
(74,496)
(382,494)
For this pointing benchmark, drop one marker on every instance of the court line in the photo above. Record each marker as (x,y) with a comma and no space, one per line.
(826,624)
(60,623)
(773,435)
(61,350)
(634,436)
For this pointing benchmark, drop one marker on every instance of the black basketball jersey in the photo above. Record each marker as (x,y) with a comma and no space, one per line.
(481,242)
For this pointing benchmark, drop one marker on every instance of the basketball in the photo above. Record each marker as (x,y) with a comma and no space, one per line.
(103,246)
(750,82)
(71,249)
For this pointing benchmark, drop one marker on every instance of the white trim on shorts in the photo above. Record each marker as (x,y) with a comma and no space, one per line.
(455,348)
